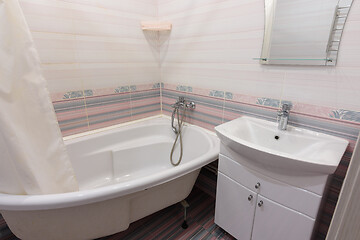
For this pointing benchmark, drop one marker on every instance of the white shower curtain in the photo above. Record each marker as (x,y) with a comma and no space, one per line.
(33,157)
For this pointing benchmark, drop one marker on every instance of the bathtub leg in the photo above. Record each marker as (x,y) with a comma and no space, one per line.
(185,205)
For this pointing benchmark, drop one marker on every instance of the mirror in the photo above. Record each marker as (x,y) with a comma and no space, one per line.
(303,32)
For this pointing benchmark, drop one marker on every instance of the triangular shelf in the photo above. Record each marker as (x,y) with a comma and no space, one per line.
(156,26)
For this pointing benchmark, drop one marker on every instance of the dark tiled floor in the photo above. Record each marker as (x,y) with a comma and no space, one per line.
(166,224)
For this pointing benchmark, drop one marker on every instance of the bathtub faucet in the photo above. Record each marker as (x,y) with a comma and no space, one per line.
(182,104)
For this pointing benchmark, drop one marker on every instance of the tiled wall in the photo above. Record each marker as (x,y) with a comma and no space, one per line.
(213,43)
(209,58)
(103,70)
(81,111)
(216,107)
(100,67)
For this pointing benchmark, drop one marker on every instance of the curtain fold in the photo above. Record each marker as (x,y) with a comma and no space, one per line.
(33,157)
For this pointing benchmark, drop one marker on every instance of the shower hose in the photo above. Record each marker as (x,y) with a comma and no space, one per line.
(178,137)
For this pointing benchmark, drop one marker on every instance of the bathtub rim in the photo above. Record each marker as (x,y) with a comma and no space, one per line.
(128,125)
(11,202)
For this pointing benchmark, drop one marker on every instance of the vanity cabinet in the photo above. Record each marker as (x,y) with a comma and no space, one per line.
(232,201)
(250,205)
(273,221)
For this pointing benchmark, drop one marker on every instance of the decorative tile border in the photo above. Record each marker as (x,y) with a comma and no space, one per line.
(269,102)
(103,91)
(182,88)
(229,95)
(77,94)
(274,103)
(158,85)
(124,89)
(345,115)
(221,94)
(80,111)
(298,108)
(216,93)
(214,106)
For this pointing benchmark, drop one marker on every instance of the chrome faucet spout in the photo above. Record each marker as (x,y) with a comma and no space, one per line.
(283,116)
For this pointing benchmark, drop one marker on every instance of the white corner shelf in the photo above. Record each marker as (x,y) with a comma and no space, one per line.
(156,26)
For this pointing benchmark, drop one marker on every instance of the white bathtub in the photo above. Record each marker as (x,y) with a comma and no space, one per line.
(124,174)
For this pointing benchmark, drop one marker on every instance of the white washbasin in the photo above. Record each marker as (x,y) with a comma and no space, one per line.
(295,149)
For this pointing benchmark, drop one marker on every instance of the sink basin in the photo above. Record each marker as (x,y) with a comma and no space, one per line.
(295,149)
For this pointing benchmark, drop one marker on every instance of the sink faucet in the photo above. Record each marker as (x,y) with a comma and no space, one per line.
(283,116)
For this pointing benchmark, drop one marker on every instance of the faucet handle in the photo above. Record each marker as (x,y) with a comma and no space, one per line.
(285,107)
(190,105)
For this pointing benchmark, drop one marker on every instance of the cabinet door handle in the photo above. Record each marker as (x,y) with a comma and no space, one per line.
(250,197)
(257,186)
(260,203)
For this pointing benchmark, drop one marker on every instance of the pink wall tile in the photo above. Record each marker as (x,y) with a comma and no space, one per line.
(75,131)
(104,91)
(109,123)
(170,86)
(205,55)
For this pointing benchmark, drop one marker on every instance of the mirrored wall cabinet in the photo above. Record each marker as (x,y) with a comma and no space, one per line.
(303,32)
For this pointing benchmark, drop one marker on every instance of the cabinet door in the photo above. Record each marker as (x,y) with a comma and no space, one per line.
(276,222)
(235,206)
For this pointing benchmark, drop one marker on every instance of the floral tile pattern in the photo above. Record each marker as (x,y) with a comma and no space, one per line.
(229,95)
(182,88)
(122,89)
(288,103)
(216,93)
(88,93)
(78,94)
(158,85)
(268,102)
(132,88)
(345,115)
(73,94)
